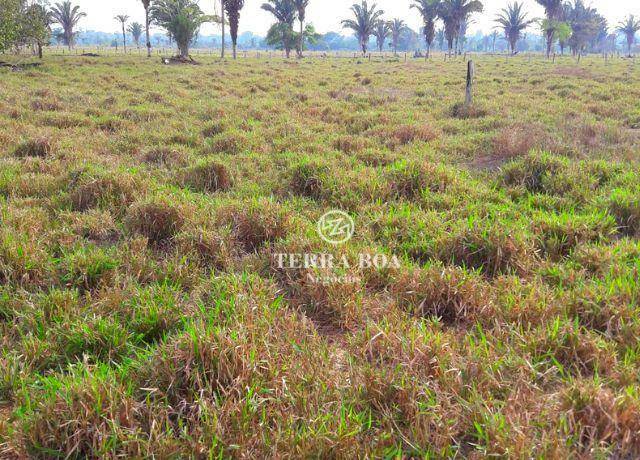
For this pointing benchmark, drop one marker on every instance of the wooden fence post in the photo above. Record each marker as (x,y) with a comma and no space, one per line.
(470,75)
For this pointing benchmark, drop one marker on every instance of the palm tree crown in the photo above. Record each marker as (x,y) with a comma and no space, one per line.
(454,13)
(429,10)
(281,33)
(136,29)
(629,27)
(382,31)
(364,23)
(68,16)
(513,20)
(122,19)
(397,27)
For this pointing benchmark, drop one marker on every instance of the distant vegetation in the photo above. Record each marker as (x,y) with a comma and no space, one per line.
(567,24)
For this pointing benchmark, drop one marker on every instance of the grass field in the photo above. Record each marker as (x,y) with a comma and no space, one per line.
(142,311)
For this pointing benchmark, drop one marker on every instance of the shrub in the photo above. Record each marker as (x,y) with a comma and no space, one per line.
(164,156)
(231,143)
(460,110)
(350,144)
(451,294)
(517,140)
(115,191)
(87,268)
(310,179)
(207,177)
(624,205)
(157,220)
(407,134)
(559,234)
(213,129)
(80,417)
(533,172)
(489,247)
(257,224)
(410,179)
(598,418)
(40,147)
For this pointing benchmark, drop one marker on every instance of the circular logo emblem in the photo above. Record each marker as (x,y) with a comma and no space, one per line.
(336,227)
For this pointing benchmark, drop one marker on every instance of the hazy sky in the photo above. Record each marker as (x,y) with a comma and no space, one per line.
(326,14)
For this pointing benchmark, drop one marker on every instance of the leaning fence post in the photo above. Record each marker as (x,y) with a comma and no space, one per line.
(470,74)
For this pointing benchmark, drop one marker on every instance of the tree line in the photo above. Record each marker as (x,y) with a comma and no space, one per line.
(566,24)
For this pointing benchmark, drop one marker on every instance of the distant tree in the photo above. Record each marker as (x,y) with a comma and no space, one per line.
(364,22)
(440,38)
(10,16)
(282,31)
(513,20)
(494,38)
(181,19)
(147,23)
(122,19)
(585,23)
(36,26)
(397,26)
(629,28)
(429,10)
(454,13)
(553,13)
(68,16)
(301,6)
(233,8)
(135,29)
(382,31)
(563,34)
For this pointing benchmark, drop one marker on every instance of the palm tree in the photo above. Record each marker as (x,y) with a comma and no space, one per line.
(135,29)
(397,27)
(301,6)
(181,19)
(382,31)
(513,20)
(233,8)
(68,16)
(223,26)
(629,27)
(364,23)
(429,11)
(147,22)
(454,13)
(282,31)
(585,23)
(552,11)
(123,18)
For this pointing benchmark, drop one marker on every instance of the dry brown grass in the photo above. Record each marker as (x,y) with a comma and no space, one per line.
(40,147)
(157,220)
(207,177)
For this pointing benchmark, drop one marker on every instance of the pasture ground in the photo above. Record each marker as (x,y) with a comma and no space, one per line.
(142,311)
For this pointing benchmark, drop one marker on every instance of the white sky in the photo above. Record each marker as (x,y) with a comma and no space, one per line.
(326,14)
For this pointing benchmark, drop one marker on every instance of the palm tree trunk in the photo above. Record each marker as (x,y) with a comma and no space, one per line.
(222,6)
(124,39)
(301,39)
(428,50)
(235,50)
(146,11)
